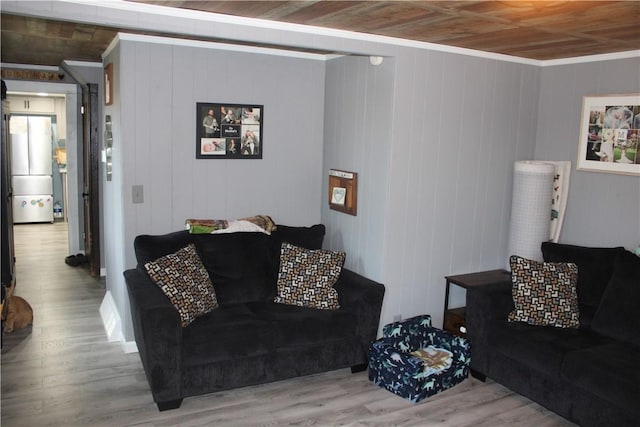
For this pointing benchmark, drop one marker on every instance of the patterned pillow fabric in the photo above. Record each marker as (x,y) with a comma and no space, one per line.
(185,281)
(306,277)
(434,359)
(544,293)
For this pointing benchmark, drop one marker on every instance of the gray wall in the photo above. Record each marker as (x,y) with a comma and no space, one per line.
(113,199)
(451,127)
(157,87)
(603,209)
(358,101)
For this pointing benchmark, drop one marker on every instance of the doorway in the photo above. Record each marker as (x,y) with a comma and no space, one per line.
(38,165)
(72,125)
(70,154)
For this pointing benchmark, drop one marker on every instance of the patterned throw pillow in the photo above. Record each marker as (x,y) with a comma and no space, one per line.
(306,277)
(183,278)
(544,293)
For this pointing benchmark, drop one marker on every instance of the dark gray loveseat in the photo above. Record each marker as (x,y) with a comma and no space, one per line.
(249,339)
(589,375)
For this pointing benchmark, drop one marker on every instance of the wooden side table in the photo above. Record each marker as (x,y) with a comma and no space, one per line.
(455,318)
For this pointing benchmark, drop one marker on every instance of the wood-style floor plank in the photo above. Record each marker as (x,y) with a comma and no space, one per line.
(62,371)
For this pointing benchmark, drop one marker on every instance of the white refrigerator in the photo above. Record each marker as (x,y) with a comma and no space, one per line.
(31,167)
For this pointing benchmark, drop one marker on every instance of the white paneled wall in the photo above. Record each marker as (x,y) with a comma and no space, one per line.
(453,126)
(158,86)
(602,208)
(115,221)
(358,113)
(168,81)
(459,124)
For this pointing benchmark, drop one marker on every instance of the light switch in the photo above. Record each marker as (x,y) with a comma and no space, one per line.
(137,194)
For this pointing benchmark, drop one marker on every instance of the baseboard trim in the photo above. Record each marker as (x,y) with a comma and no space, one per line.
(129,347)
(113,325)
(111,319)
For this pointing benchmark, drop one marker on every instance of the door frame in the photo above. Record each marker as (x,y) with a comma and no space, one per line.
(6,217)
(74,154)
(91,176)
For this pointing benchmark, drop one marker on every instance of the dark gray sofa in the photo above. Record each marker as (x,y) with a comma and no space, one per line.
(249,339)
(589,375)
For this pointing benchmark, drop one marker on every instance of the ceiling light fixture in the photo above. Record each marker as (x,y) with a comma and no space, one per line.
(376,60)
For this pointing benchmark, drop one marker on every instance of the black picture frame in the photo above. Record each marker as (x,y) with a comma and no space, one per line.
(229,131)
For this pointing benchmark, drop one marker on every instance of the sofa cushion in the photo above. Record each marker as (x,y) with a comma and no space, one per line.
(613,373)
(305,237)
(542,348)
(186,283)
(239,265)
(228,333)
(617,316)
(595,266)
(306,277)
(296,326)
(149,248)
(544,294)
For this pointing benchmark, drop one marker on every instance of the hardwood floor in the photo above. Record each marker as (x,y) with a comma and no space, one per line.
(63,372)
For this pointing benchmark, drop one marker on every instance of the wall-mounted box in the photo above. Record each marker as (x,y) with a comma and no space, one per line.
(343,191)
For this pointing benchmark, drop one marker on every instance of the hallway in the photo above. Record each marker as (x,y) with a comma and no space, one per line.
(60,369)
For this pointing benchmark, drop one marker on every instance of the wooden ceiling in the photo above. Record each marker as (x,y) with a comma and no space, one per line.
(539,30)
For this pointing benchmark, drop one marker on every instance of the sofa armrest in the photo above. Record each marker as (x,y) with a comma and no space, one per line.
(364,297)
(385,352)
(487,306)
(158,334)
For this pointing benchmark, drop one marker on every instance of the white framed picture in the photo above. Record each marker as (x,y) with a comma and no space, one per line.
(610,134)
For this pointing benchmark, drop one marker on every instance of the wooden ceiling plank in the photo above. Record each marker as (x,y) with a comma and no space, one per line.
(316,12)
(456,9)
(36,26)
(558,51)
(364,16)
(629,33)
(575,9)
(13,23)
(511,39)
(451,28)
